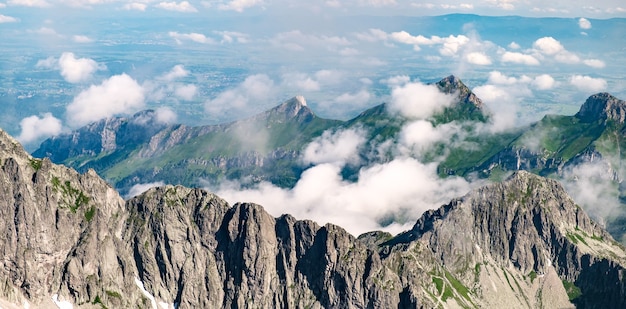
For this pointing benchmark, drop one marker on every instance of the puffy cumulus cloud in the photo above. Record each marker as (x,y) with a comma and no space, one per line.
(183,6)
(548,46)
(372,35)
(254,89)
(594,63)
(166,86)
(35,127)
(178,71)
(587,83)
(76,70)
(119,94)
(403,187)
(81,39)
(519,58)
(544,82)
(419,136)
(240,5)
(166,115)
(141,188)
(7,19)
(418,101)
(339,148)
(584,23)
(478,58)
(135,6)
(193,36)
(29,3)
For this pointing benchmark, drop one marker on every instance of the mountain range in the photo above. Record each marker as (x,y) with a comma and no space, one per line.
(73,242)
(270,146)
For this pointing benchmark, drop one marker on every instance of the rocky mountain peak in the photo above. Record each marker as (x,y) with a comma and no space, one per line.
(453,84)
(294,108)
(603,106)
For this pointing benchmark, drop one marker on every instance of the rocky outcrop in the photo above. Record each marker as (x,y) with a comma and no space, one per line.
(603,106)
(104,136)
(74,242)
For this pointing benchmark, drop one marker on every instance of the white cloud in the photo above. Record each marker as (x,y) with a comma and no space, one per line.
(48,63)
(183,6)
(195,37)
(240,5)
(300,81)
(29,3)
(337,148)
(397,80)
(178,71)
(186,92)
(257,88)
(81,39)
(76,70)
(584,23)
(403,187)
(520,58)
(452,44)
(478,58)
(594,63)
(496,77)
(141,188)
(359,98)
(551,47)
(136,6)
(514,45)
(7,19)
(418,101)
(232,36)
(587,83)
(166,115)
(34,128)
(548,46)
(119,94)
(544,82)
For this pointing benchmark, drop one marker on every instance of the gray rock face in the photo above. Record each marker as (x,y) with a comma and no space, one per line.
(512,244)
(603,106)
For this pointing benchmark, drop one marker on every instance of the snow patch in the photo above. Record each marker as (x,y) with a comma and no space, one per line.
(61,304)
(26,305)
(162,305)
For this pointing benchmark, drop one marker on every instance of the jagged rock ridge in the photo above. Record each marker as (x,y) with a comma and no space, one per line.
(504,245)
